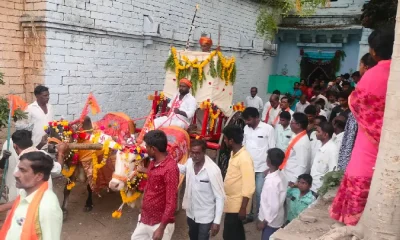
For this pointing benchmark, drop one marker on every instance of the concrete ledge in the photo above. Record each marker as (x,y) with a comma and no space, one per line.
(311,224)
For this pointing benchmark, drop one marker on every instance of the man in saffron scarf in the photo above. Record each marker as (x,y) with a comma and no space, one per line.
(22,144)
(36,213)
(180,109)
(298,154)
(271,111)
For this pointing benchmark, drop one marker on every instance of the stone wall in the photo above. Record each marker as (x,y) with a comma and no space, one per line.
(21,49)
(98,46)
(11,47)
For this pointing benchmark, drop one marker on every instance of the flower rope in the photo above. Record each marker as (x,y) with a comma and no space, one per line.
(96,165)
(184,66)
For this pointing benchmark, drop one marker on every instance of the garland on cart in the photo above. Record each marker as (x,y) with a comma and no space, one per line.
(239,107)
(183,67)
(214,112)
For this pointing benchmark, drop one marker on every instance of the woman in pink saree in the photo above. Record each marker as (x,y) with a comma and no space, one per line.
(367,103)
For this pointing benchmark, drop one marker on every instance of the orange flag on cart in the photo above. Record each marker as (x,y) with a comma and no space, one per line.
(148,126)
(17,103)
(94,106)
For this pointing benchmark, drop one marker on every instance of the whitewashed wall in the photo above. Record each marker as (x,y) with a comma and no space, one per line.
(97,46)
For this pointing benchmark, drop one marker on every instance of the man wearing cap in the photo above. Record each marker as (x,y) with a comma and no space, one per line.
(180,109)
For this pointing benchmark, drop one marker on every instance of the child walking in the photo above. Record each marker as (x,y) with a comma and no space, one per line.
(272,211)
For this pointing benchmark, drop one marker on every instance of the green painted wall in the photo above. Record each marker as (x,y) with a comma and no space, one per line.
(281,83)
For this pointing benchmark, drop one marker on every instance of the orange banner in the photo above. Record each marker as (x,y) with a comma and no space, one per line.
(17,103)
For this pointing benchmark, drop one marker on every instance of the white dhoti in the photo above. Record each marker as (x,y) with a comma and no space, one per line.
(173,120)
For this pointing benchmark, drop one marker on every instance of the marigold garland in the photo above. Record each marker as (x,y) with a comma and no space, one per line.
(226,67)
(117,214)
(135,182)
(68,173)
(126,199)
(208,106)
(213,117)
(239,107)
(70,185)
(95,164)
(205,105)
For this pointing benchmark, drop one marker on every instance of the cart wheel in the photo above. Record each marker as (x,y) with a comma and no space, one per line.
(223,153)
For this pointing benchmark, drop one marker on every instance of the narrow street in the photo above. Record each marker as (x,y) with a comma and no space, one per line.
(98,224)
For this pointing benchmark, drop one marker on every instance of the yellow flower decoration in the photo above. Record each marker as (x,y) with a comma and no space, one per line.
(205,105)
(126,199)
(213,117)
(70,185)
(95,161)
(68,173)
(195,63)
(117,214)
(239,107)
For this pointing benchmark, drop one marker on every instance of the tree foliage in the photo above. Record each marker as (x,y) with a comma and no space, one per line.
(379,13)
(272,12)
(330,181)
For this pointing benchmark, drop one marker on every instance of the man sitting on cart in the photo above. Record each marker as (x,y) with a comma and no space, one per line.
(181,109)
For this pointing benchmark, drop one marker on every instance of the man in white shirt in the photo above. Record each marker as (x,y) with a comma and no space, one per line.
(254,101)
(327,156)
(22,144)
(317,94)
(40,113)
(36,210)
(268,104)
(299,155)
(302,104)
(315,143)
(258,138)
(285,105)
(271,112)
(204,193)
(272,211)
(339,124)
(332,102)
(283,132)
(320,105)
(181,109)
(13,159)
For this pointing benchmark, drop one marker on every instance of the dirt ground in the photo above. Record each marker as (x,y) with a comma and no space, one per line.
(98,224)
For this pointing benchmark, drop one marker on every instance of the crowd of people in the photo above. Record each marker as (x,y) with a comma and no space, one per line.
(280,158)
(330,125)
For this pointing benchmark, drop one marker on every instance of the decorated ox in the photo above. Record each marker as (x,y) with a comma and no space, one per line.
(127,178)
(94,166)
